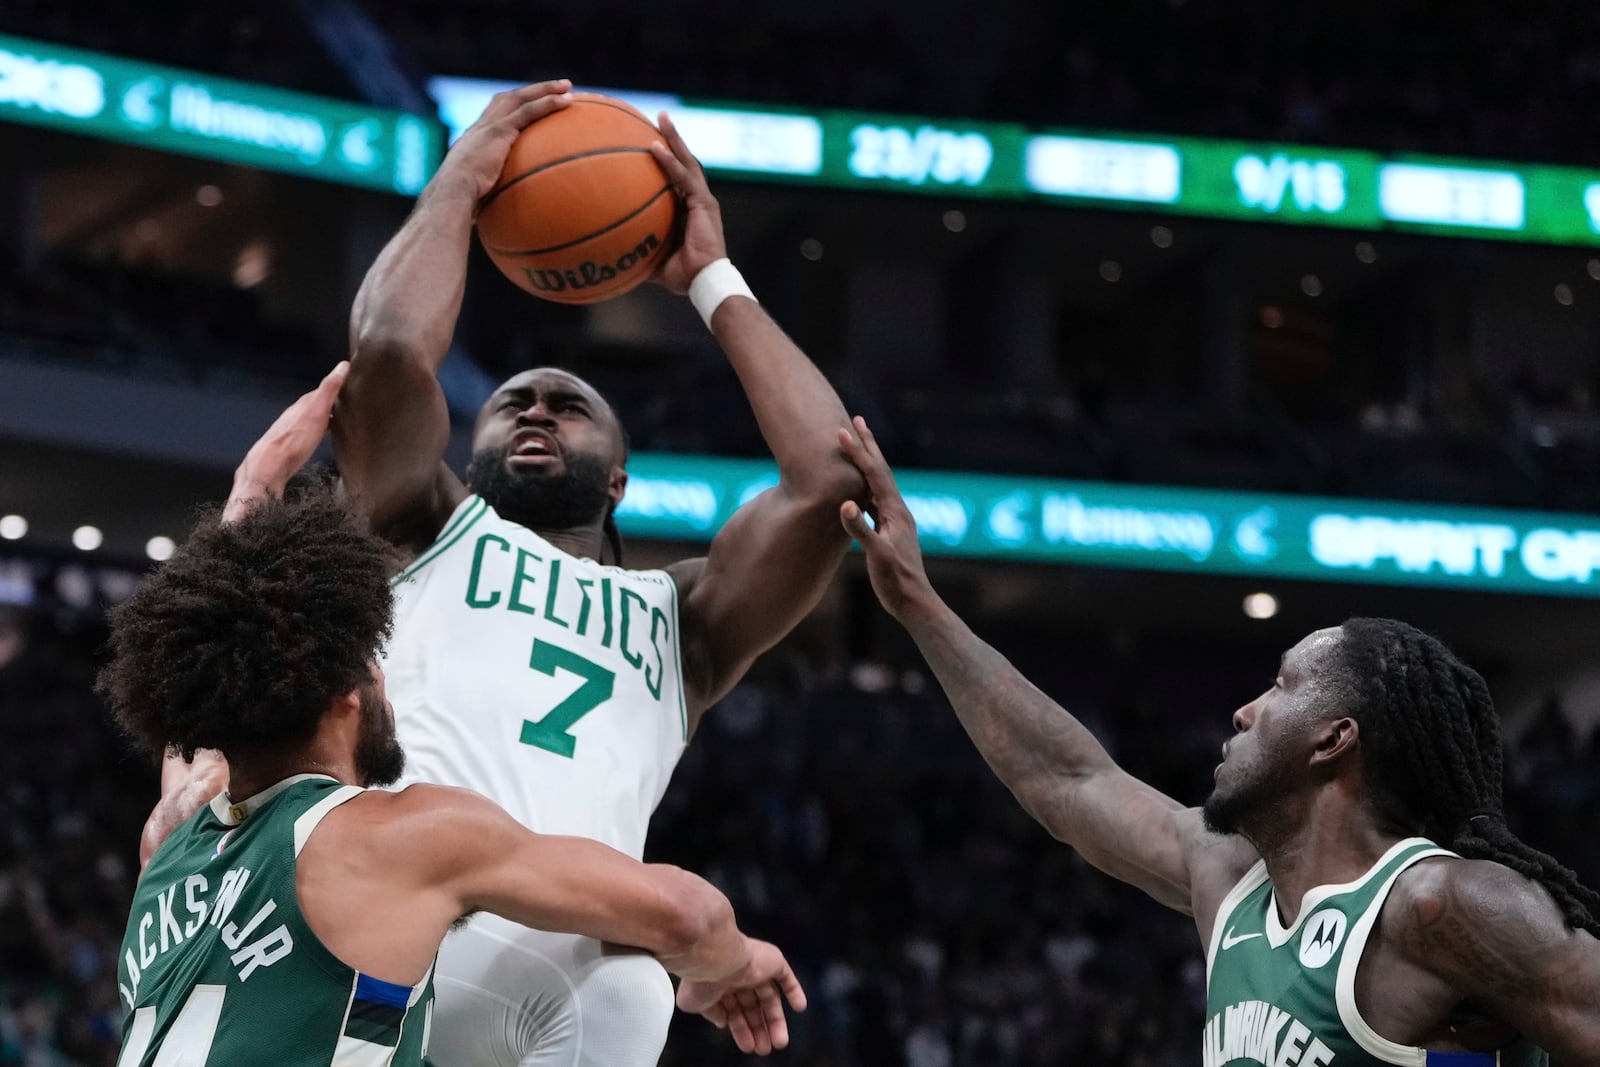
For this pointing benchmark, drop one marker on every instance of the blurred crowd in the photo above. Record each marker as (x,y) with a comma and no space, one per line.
(154,324)
(841,808)
(1472,78)
(1127,412)
(72,799)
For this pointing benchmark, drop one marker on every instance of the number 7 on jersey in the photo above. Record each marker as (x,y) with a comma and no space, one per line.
(553,732)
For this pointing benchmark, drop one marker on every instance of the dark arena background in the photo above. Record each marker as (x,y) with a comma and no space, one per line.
(1190,327)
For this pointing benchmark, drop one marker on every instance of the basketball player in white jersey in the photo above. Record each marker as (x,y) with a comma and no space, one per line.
(522,666)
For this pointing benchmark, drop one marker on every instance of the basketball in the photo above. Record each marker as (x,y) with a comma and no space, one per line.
(582,211)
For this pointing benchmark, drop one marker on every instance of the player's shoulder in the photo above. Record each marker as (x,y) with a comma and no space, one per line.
(417,524)
(426,830)
(1444,912)
(403,818)
(418,799)
(684,574)
(1435,882)
(673,577)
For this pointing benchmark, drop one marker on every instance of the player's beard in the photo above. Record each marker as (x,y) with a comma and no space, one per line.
(578,496)
(379,758)
(1248,803)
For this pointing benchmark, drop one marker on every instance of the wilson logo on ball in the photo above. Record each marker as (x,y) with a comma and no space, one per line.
(582,211)
(589,274)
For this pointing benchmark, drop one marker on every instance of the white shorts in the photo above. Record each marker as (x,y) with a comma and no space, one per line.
(508,996)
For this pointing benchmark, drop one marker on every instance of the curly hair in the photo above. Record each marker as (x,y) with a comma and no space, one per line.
(243,639)
(1430,738)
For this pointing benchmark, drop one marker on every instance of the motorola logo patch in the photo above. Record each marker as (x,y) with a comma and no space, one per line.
(1321,937)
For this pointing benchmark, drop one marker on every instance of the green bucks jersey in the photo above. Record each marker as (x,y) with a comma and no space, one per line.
(219,968)
(1285,996)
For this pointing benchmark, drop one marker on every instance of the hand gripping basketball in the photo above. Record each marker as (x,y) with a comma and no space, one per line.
(477,158)
(703,240)
(582,209)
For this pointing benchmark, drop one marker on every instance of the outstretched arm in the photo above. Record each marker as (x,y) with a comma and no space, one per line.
(286,446)
(186,786)
(1049,760)
(768,567)
(393,426)
(485,860)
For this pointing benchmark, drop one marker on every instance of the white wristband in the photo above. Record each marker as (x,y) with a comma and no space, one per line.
(715,283)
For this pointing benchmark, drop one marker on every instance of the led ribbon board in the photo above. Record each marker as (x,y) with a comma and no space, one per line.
(1248,181)
(215,118)
(688,498)
(334,140)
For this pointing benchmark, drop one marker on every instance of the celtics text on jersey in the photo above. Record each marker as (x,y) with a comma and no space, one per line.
(548,682)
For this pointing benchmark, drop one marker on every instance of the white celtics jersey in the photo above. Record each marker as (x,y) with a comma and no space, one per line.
(549,683)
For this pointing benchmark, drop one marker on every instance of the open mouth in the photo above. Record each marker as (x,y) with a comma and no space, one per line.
(528,446)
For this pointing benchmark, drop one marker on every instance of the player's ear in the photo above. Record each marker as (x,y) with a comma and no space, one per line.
(1334,739)
(347,706)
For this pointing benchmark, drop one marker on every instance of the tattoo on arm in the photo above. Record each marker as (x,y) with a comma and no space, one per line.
(1029,740)
(1055,767)
(1497,939)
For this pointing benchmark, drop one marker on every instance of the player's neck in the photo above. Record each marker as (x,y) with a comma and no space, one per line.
(1329,842)
(585,542)
(245,780)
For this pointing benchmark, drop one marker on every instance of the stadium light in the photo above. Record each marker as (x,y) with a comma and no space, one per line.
(1261,605)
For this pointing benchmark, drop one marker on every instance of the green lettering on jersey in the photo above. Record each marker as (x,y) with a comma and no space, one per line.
(658,622)
(552,733)
(633,658)
(605,609)
(585,584)
(473,599)
(522,577)
(550,596)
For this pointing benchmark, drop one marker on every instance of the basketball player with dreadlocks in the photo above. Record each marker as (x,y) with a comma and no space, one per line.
(1352,877)
(522,666)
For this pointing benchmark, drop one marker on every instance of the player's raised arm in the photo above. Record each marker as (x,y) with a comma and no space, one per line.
(467,849)
(283,449)
(186,785)
(392,425)
(770,564)
(1048,759)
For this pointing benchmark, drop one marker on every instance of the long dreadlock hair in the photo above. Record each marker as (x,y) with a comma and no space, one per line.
(1430,740)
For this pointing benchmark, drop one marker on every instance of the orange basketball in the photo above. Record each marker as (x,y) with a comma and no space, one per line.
(582,211)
